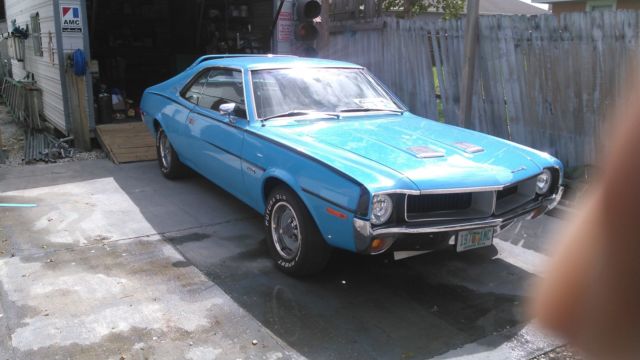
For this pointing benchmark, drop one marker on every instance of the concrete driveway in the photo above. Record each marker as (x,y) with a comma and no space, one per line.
(117,262)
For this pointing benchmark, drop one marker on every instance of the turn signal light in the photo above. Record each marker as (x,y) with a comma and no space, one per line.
(377,245)
(380,245)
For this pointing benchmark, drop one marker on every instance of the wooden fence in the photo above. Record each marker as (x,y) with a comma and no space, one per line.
(542,81)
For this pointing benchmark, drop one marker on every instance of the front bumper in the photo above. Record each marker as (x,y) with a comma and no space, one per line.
(364,233)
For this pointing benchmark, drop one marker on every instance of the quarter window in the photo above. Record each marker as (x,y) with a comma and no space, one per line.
(194,93)
(223,86)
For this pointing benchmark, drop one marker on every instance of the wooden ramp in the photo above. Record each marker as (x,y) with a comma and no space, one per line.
(128,142)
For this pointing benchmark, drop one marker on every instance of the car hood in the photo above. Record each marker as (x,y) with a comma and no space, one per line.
(431,155)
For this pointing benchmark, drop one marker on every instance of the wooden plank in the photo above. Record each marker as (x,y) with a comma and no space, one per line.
(447,85)
(587,70)
(104,146)
(143,152)
(453,68)
(496,124)
(469,62)
(126,142)
(507,71)
(514,70)
(517,46)
(530,86)
(142,145)
(427,75)
(121,127)
(435,46)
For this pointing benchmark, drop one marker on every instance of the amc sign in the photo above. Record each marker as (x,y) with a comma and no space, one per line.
(71,21)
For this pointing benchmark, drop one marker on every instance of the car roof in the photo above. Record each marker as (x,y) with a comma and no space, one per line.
(256,62)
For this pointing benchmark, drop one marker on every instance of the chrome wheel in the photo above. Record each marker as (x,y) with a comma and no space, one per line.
(165,151)
(285,231)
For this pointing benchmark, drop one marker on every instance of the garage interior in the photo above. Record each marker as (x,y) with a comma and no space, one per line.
(139,43)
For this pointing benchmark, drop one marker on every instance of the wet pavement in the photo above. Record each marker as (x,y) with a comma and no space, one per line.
(194,249)
(365,307)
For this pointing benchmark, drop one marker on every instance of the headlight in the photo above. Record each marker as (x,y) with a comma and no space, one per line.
(543,182)
(382,209)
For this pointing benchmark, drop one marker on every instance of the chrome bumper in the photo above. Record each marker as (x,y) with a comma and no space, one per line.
(365,233)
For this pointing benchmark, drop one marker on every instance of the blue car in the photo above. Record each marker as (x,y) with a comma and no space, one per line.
(334,160)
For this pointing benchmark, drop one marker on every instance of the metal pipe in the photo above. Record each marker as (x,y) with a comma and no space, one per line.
(26,146)
(38,146)
(30,155)
(41,149)
(31,145)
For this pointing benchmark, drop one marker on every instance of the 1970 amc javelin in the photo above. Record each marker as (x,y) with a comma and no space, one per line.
(333,159)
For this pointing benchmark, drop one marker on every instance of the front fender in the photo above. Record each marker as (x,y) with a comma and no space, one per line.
(333,221)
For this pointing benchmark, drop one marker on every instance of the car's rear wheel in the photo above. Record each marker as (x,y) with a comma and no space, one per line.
(294,241)
(170,165)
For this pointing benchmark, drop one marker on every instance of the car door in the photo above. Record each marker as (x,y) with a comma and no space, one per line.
(218,138)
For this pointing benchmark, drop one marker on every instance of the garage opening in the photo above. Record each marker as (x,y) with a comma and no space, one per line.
(139,43)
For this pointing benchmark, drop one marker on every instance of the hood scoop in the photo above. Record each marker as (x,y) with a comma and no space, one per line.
(468,147)
(425,152)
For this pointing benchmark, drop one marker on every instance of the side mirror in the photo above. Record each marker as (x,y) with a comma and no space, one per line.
(193,98)
(227,108)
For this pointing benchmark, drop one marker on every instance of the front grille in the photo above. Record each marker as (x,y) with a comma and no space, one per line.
(449,206)
(417,204)
(515,196)
(511,190)
(469,205)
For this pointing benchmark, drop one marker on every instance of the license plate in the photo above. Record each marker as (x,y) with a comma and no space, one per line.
(474,239)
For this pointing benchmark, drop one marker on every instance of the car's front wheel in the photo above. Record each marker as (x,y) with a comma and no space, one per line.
(170,165)
(294,241)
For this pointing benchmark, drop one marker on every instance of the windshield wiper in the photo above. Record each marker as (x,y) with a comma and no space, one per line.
(397,111)
(299,113)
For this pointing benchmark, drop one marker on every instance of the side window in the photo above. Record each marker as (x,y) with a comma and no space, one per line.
(224,86)
(194,93)
(36,35)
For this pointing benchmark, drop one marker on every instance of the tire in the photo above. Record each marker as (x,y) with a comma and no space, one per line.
(293,239)
(170,165)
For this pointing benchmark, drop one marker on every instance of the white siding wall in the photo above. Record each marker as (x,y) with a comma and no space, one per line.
(46,73)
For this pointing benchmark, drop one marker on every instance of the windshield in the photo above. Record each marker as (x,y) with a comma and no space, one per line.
(326,90)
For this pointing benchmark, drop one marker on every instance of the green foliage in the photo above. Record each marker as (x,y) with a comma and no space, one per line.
(451,8)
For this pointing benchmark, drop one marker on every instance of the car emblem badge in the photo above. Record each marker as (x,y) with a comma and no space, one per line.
(522,168)
(468,147)
(425,152)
